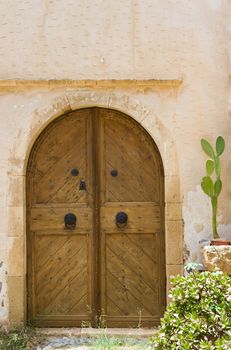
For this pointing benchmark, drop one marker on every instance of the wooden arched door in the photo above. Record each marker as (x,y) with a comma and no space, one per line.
(95,223)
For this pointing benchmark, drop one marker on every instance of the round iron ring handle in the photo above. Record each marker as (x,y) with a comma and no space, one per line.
(70,220)
(121,219)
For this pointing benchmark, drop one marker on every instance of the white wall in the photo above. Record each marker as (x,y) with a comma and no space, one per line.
(123,39)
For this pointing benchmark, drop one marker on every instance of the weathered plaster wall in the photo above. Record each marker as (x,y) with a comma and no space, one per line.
(133,39)
(128,40)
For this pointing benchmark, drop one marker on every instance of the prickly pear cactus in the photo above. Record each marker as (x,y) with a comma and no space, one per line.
(211,183)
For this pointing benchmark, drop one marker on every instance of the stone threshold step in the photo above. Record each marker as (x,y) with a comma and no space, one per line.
(95,332)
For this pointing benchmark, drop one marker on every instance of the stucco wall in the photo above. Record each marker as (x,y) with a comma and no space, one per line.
(133,39)
(184,42)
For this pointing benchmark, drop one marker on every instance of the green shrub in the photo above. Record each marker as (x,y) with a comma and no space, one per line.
(199,316)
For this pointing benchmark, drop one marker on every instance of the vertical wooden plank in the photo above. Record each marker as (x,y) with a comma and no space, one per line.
(96,199)
(101,253)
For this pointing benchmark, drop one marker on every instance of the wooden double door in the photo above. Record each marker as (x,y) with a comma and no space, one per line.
(95,214)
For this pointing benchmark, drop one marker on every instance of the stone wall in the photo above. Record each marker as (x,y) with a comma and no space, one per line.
(165,64)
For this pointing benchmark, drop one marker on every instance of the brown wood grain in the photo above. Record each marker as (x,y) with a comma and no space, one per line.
(97,267)
(132,257)
(60,260)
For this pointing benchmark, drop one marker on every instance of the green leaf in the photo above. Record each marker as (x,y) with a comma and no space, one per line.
(220,145)
(209,167)
(217,166)
(207,186)
(207,148)
(217,187)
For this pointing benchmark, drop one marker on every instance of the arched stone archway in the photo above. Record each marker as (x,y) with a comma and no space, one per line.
(95,167)
(73,100)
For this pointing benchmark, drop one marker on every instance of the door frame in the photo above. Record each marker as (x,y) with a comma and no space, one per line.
(125,103)
(94,121)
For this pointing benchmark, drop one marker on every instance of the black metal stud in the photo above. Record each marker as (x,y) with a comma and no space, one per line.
(114,173)
(74,172)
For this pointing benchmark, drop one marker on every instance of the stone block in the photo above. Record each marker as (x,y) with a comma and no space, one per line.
(3,248)
(172,189)
(16,166)
(3,180)
(3,221)
(16,221)
(87,98)
(131,106)
(174,242)
(54,106)
(172,271)
(16,295)
(173,211)
(15,196)
(16,256)
(217,257)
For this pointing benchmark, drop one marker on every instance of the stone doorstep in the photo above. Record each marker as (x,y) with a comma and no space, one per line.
(95,332)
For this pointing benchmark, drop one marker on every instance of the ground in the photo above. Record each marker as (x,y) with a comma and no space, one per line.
(93,339)
(100,343)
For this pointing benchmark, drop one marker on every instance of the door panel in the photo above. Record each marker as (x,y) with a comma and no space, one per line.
(95,163)
(127,150)
(51,218)
(141,218)
(132,256)
(130,284)
(63,147)
(60,281)
(61,275)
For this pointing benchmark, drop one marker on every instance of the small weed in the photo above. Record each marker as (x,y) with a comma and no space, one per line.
(23,338)
(100,319)
(110,343)
(106,343)
(140,318)
(86,324)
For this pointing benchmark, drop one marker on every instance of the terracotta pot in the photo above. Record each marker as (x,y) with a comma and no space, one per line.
(219,241)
